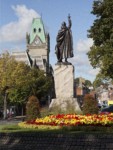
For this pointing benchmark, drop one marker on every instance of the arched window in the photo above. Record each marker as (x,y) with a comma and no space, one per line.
(34,30)
(39,30)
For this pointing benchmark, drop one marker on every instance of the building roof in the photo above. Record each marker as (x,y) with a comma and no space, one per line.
(37,29)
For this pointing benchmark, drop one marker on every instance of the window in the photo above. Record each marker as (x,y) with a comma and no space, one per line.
(34,30)
(39,30)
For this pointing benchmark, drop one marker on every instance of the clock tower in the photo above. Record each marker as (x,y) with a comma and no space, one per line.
(38,45)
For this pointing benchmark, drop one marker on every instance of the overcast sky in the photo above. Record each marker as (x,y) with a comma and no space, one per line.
(16,18)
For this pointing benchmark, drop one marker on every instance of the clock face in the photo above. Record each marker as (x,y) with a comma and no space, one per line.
(36,41)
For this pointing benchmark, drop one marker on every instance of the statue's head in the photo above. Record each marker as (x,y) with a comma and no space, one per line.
(63,25)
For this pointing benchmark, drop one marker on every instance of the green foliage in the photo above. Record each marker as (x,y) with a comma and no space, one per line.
(90,105)
(32,108)
(20,90)
(101,53)
(18,95)
(76,81)
(34,83)
(97,82)
(1,99)
(21,80)
(101,80)
(7,66)
(88,83)
(40,84)
(10,128)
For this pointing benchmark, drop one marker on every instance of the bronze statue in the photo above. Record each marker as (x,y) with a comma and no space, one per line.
(64,46)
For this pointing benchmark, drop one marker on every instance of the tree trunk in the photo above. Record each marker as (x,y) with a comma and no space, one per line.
(22,111)
(5,106)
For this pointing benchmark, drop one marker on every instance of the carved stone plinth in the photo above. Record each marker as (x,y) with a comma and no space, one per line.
(64,81)
(64,88)
(65,104)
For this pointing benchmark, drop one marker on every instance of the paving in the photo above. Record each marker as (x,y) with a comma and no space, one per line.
(14,120)
(55,141)
(5,122)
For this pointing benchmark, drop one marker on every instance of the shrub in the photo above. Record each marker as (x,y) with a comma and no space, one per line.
(32,108)
(90,105)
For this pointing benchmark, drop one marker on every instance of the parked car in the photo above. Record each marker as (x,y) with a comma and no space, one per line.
(107,110)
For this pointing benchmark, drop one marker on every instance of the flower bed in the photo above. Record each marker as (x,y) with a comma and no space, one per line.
(60,120)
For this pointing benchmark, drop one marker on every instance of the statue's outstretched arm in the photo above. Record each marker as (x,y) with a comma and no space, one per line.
(69,21)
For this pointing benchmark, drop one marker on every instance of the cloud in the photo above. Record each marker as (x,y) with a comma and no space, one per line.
(16,31)
(83,67)
(94,72)
(80,60)
(86,72)
(84,45)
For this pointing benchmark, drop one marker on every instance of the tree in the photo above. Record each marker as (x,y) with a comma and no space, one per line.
(7,65)
(1,99)
(76,81)
(20,90)
(33,83)
(101,80)
(29,82)
(101,53)
(39,84)
(90,105)
(18,81)
(13,74)
(88,83)
(32,108)
(97,82)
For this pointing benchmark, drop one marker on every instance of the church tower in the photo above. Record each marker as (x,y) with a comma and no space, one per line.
(38,45)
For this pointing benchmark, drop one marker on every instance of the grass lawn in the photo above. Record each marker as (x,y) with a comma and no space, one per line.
(13,128)
(76,129)
(9,127)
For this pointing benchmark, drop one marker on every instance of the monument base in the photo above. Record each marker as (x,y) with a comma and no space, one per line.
(65,104)
(64,81)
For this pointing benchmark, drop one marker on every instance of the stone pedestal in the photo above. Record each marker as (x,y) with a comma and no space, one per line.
(64,81)
(64,88)
(65,104)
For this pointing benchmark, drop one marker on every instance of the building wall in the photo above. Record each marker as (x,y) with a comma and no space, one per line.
(38,25)
(79,91)
(37,46)
(20,56)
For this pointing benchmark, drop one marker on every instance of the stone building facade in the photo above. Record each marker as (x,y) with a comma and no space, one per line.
(37,47)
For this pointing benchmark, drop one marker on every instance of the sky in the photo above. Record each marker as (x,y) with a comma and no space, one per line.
(16,18)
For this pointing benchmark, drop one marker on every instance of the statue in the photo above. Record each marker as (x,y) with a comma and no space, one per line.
(64,46)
